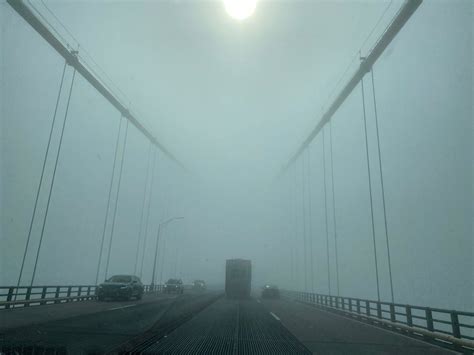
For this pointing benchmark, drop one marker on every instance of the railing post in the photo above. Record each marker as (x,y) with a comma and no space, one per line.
(379,310)
(392,313)
(367,308)
(56,295)
(10,296)
(68,293)
(358,306)
(455,325)
(27,296)
(43,295)
(429,319)
(79,291)
(409,317)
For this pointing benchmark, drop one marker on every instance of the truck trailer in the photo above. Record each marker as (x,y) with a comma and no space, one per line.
(238,278)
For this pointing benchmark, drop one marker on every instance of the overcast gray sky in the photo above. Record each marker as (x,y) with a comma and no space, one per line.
(233,100)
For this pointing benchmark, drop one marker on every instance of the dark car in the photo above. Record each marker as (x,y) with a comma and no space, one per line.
(120,287)
(270,291)
(199,285)
(173,286)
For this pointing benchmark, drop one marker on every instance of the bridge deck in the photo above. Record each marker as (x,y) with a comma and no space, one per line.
(194,323)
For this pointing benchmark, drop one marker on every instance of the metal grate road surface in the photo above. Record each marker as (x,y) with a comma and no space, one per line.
(230,327)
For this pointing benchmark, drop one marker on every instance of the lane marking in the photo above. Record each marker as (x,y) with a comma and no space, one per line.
(275,316)
(122,307)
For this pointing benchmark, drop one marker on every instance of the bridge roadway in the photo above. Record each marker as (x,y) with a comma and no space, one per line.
(196,323)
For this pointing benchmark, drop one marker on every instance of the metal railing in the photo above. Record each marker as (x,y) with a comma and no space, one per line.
(447,326)
(25,296)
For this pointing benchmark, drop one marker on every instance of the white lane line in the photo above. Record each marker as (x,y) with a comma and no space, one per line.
(274,316)
(122,307)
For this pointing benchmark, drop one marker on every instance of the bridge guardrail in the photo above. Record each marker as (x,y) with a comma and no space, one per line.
(454,327)
(25,296)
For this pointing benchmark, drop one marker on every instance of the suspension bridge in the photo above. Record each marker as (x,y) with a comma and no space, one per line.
(314,313)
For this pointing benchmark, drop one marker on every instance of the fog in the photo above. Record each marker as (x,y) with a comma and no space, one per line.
(233,101)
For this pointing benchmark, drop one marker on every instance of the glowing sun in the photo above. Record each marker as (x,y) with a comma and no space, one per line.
(240,9)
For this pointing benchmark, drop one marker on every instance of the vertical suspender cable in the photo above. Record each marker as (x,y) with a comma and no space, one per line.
(326,214)
(117,199)
(370,190)
(291,224)
(383,189)
(108,201)
(303,203)
(334,209)
(148,212)
(295,195)
(143,208)
(310,220)
(53,178)
(41,179)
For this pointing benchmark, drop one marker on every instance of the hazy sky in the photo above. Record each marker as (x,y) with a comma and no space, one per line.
(233,101)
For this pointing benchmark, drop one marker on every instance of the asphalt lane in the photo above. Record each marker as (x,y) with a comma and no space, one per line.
(324,332)
(19,317)
(100,327)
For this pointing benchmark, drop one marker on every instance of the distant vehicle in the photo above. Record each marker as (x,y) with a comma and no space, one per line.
(270,291)
(199,285)
(238,278)
(173,286)
(120,287)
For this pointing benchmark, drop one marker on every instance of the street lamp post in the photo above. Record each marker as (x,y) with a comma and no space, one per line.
(162,224)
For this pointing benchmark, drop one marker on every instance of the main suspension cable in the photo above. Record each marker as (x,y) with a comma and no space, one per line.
(112,175)
(383,189)
(370,190)
(41,179)
(53,179)
(117,199)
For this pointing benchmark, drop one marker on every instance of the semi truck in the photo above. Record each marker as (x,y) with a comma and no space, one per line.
(238,278)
